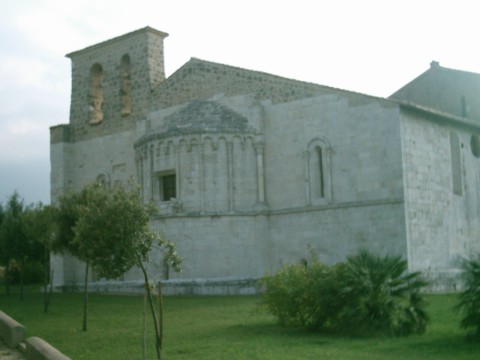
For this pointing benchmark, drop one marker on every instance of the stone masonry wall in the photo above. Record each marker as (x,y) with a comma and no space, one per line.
(199,79)
(442,225)
(336,232)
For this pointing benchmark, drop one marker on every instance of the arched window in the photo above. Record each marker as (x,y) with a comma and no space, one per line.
(96,94)
(318,171)
(456,163)
(125,87)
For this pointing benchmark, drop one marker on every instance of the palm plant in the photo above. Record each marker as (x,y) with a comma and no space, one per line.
(469,301)
(379,296)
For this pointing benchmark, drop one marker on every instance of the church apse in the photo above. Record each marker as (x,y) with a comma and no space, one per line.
(206,155)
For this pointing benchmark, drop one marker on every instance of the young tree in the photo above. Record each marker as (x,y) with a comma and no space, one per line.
(15,245)
(119,223)
(109,229)
(40,229)
(171,259)
(69,209)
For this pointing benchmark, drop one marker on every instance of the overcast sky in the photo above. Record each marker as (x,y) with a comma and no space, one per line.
(368,46)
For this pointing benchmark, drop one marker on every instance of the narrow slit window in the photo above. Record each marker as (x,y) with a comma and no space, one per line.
(320,173)
(456,164)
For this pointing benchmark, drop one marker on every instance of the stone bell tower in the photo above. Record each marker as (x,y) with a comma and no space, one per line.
(112,81)
(111,86)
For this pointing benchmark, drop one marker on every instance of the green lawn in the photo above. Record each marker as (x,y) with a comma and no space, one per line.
(221,328)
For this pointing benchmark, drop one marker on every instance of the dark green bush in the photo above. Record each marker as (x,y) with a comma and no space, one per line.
(469,301)
(33,273)
(379,297)
(366,295)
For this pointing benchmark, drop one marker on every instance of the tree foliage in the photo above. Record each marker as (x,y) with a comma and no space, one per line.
(16,246)
(109,229)
(113,230)
(12,232)
(2,214)
(366,295)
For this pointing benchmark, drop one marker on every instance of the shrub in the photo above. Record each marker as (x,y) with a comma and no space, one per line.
(366,295)
(469,301)
(293,294)
(284,293)
(378,296)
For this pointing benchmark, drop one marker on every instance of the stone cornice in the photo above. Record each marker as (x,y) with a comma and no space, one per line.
(118,39)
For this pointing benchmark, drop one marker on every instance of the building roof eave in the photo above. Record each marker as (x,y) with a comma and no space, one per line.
(439,116)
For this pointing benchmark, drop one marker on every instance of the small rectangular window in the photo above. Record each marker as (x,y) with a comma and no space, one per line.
(168,187)
(456,163)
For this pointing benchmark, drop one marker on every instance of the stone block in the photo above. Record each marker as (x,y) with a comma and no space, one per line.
(39,349)
(12,332)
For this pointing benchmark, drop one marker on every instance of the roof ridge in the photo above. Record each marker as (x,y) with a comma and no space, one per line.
(197,60)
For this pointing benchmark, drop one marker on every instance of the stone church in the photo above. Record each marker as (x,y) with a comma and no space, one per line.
(252,171)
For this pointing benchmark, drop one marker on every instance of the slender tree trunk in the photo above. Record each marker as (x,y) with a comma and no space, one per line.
(160,313)
(7,279)
(85,298)
(45,281)
(167,270)
(22,267)
(145,324)
(50,290)
(158,337)
(52,273)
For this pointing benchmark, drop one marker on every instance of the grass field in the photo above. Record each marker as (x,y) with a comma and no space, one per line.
(221,328)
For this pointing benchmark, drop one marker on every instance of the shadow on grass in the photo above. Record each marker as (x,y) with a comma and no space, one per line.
(427,346)
(447,346)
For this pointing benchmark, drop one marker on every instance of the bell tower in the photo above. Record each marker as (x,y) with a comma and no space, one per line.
(112,81)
